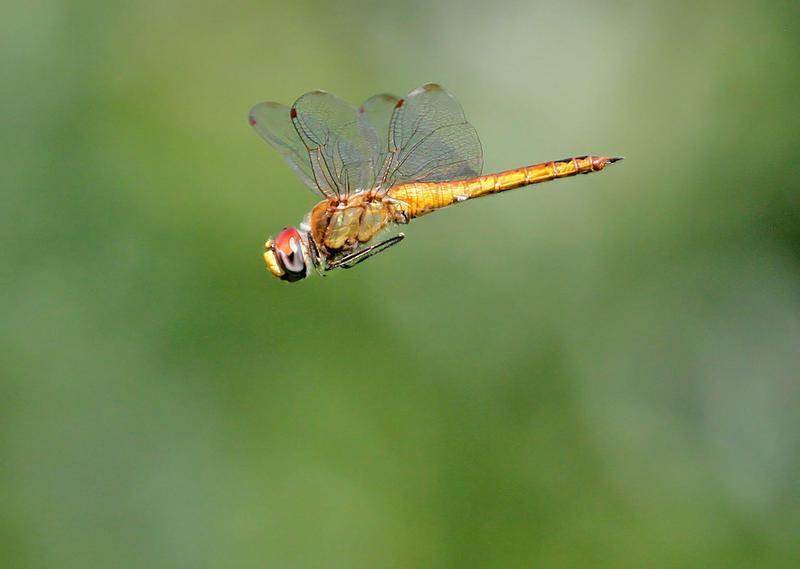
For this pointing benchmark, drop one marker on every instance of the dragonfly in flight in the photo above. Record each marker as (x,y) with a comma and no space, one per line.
(384,163)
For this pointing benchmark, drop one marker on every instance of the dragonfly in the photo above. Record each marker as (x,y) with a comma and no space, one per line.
(379,165)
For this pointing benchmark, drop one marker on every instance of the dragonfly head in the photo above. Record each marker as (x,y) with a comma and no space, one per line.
(287,256)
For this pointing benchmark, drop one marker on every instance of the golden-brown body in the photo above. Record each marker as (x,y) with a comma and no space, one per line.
(339,228)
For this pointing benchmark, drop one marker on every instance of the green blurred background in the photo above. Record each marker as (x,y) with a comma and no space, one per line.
(601,372)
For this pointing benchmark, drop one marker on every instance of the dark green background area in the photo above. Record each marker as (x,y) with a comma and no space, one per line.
(601,372)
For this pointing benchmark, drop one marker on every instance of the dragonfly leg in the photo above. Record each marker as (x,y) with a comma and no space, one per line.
(353,259)
(316,256)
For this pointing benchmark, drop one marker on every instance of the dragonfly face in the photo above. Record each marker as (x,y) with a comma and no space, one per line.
(286,256)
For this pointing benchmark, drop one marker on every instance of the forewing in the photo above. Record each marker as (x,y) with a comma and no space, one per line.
(378,112)
(273,122)
(342,145)
(431,140)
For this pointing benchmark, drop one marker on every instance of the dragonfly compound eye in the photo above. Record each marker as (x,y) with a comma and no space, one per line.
(285,255)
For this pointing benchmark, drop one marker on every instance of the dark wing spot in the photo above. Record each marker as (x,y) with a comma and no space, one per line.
(293,113)
(252,121)
(399,103)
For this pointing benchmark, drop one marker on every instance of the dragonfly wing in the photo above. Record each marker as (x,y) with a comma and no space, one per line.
(341,143)
(378,110)
(431,140)
(273,122)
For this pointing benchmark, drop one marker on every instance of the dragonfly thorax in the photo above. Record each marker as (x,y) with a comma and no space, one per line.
(339,228)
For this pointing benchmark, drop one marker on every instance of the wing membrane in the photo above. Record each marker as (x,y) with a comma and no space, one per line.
(273,122)
(342,145)
(378,110)
(338,150)
(431,140)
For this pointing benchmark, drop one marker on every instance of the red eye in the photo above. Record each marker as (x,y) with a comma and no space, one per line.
(288,247)
(288,241)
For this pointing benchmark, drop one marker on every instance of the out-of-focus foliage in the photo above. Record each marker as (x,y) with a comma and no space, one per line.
(600,372)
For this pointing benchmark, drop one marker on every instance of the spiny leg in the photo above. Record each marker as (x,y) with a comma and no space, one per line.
(353,259)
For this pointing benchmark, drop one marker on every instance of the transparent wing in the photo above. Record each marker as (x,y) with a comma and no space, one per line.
(273,122)
(431,140)
(377,110)
(342,145)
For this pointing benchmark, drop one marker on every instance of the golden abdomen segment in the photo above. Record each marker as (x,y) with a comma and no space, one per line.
(425,197)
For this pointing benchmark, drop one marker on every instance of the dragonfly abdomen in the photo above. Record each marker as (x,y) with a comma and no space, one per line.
(419,198)
(538,173)
(425,197)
